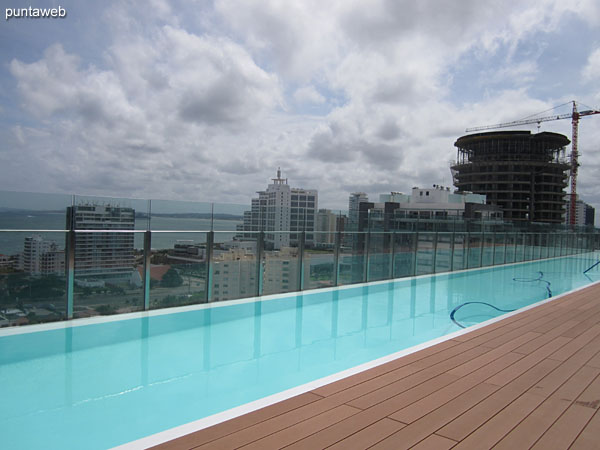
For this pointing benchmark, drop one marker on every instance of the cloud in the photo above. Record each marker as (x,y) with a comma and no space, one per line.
(204,102)
(308,94)
(591,71)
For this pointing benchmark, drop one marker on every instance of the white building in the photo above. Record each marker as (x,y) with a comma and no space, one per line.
(438,202)
(354,201)
(281,212)
(326,227)
(103,255)
(42,256)
(233,274)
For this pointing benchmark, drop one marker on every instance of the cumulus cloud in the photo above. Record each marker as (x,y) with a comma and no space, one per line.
(591,71)
(180,96)
(308,94)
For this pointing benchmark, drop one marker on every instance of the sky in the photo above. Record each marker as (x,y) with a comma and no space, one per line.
(204,100)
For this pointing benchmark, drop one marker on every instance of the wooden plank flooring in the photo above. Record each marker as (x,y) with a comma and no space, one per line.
(528,381)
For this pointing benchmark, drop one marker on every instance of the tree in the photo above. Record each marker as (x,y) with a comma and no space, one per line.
(171,279)
(106,310)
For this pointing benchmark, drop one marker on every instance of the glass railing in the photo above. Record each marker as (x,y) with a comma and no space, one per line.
(64,257)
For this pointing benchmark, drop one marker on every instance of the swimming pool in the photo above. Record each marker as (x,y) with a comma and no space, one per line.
(104,382)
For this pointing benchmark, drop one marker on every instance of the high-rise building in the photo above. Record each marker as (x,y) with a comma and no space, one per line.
(525,174)
(234,274)
(584,214)
(354,201)
(42,256)
(354,217)
(282,212)
(103,256)
(327,225)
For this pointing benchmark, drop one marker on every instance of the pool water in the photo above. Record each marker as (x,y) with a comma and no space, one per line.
(105,384)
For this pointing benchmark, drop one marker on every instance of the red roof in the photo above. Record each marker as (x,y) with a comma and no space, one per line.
(157,271)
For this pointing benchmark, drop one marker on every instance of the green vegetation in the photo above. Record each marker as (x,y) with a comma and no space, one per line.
(171,279)
(321,271)
(106,310)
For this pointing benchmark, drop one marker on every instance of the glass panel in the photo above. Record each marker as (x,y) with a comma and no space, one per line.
(233,217)
(528,250)
(544,245)
(404,246)
(177,269)
(475,242)
(488,250)
(499,248)
(425,253)
(29,211)
(443,256)
(108,272)
(234,271)
(352,258)
(511,247)
(379,256)
(280,266)
(32,278)
(319,262)
(519,247)
(169,215)
(108,254)
(459,257)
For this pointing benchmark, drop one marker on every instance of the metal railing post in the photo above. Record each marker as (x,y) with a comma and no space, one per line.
(301,260)
(210,239)
(70,270)
(367,251)
(336,257)
(146,276)
(393,255)
(260,243)
(416,249)
(452,249)
(468,249)
(435,243)
(481,241)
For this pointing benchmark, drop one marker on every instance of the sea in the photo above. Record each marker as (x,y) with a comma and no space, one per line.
(39,222)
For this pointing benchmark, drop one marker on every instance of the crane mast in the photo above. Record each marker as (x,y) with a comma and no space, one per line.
(574,164)
(574,116)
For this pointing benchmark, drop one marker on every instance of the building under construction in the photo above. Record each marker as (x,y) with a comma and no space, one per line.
(525,174)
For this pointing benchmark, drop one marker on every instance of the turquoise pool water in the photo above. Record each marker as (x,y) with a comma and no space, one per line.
(101,385)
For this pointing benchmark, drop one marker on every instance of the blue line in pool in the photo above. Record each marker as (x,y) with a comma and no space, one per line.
(522,280)
(473,303)
(533,280)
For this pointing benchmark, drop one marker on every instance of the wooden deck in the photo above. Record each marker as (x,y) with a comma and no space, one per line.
(528,381)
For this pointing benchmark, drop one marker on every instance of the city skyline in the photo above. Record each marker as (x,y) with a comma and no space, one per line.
(203,103)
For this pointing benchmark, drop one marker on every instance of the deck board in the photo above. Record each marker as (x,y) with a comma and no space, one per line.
(530,380)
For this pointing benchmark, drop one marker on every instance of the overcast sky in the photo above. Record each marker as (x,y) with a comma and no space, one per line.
(202,101)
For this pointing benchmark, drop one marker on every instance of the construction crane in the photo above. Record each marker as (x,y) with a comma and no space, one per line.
(574,116)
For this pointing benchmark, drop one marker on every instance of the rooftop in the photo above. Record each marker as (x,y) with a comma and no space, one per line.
(531,380)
